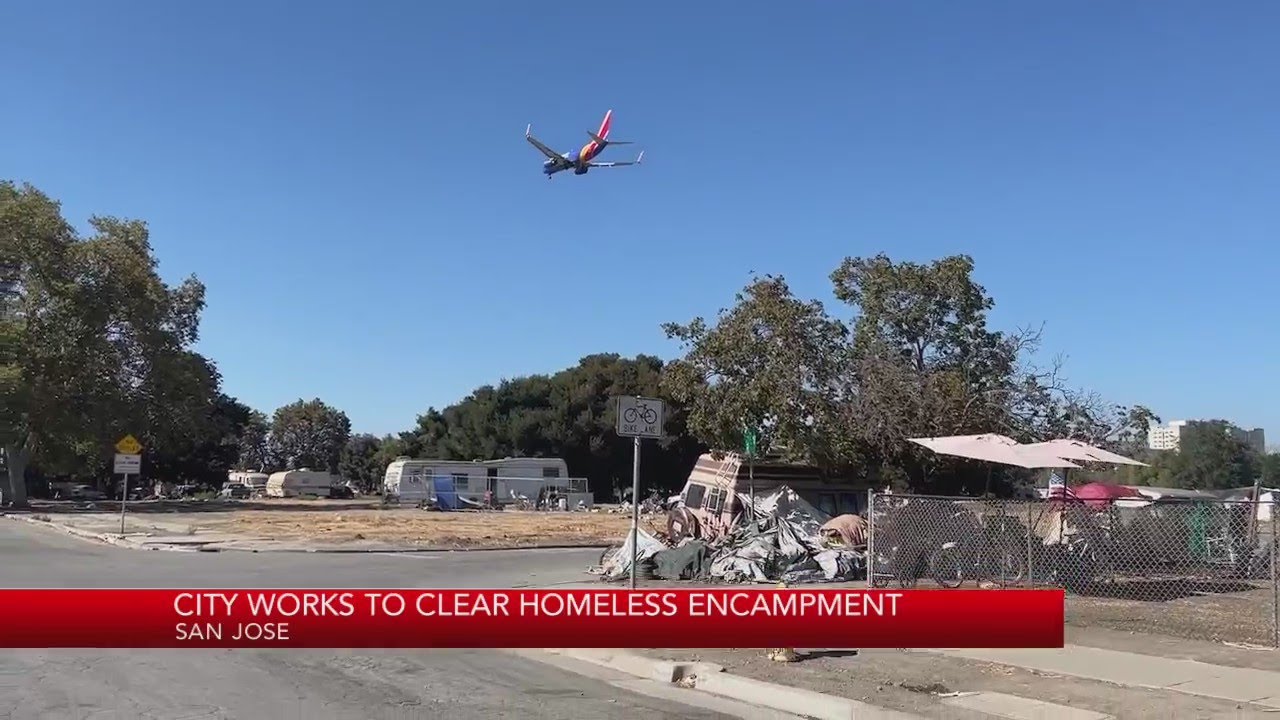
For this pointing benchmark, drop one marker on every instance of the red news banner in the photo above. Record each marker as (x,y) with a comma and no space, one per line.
(701,618)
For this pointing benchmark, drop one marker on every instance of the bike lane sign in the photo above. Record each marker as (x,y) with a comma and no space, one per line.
(640,417)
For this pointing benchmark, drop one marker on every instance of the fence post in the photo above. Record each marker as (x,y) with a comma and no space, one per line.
(1031,570)
(871,537)
(1275,586)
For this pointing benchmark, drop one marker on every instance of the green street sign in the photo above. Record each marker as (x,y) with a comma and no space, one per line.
(749,442)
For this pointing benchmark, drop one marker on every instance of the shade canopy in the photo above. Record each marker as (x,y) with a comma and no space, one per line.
(1076,450)
(1101,495)
(995,448)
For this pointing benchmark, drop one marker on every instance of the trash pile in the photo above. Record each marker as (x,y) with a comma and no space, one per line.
(789,541)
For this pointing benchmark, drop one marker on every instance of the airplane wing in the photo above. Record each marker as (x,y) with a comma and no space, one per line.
(543,148)
(617,164)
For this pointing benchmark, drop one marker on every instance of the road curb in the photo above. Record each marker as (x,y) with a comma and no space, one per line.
(711,678)
(403,551)
(105,538)
(125,542)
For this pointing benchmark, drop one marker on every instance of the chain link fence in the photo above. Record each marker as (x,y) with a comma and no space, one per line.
(1206,569)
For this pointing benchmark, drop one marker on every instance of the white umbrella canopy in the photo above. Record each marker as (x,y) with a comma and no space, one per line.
(1076,450)
(994,448)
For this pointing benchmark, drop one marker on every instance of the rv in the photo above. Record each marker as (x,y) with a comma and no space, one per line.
(256,482)
(504,482)
(713,496)
(299,483)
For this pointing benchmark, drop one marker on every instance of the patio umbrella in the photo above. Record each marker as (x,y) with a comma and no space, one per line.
(1076,450)
(994,448)
(1101,495)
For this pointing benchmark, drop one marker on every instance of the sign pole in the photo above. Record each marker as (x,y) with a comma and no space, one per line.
(124,501)
(128,462)
(635,508)
(638,418)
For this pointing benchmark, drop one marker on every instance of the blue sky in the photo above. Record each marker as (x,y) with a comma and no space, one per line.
(1114,169)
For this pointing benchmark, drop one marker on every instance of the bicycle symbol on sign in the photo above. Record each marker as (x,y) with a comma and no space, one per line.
(641,411)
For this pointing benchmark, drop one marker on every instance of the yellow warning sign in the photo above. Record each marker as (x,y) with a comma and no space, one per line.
(129,445)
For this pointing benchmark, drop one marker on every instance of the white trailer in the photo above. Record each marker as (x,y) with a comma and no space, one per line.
(300,483)
(255,481)
(508,480)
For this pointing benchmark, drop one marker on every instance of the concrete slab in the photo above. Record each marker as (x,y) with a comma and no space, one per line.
(1014,707)
(1244,685)
(1111,666)
(1239,684)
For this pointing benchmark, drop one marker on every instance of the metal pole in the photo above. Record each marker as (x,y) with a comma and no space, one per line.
(751,482)
(635,509)
(124,500)
(1275,585)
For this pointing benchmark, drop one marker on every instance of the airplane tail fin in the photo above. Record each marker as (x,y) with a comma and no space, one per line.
(603,132)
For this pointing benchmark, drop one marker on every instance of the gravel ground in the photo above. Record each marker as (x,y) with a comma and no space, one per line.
(1240,617)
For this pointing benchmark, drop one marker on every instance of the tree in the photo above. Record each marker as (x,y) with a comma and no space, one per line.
(359,462)
(570,415)
(919,360)
(92,342)
(254,444)
(309,434)
(770,363)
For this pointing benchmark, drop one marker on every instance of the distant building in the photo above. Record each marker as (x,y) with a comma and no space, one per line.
(1254,438)
(1169,437)
(1166,437)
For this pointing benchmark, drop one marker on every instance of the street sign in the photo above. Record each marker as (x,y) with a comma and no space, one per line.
(640,417)
(128,445)
(749,442)
(128,464)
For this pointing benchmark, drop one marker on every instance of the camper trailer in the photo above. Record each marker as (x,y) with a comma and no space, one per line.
(713,495)
(505,482)
(256,482)
(299,483)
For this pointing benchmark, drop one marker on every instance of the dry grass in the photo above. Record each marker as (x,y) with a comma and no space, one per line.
(431,529)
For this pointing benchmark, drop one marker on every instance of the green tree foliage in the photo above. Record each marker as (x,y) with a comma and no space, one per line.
(95,344)
(570,415)
(1209,457)
(359,462)
(254,445)
(309,434)
(916,359)
(771,363)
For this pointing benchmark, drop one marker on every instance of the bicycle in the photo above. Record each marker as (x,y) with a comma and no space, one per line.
(640,412)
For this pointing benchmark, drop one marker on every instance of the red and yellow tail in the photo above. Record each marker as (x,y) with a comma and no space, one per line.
(604,125)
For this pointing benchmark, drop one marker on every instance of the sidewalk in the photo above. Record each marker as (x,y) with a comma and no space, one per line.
(1238,684)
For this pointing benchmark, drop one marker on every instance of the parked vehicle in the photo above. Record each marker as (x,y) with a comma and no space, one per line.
(80,492)
(238,491)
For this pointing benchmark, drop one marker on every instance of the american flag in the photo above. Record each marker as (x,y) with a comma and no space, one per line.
(1058,489)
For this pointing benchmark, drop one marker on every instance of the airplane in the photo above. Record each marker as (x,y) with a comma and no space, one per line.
(582,159)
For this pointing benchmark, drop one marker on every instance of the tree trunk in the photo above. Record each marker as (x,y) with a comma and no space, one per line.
(16,459)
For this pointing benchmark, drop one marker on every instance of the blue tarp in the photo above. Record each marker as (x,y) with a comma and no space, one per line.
(446,493)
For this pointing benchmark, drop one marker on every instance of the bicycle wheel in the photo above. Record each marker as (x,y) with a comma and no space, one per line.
(650,416)
(629,415)
(946,566)
(1007,566)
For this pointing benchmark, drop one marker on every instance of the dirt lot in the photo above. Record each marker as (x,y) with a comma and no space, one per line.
(324,522)
(432,529)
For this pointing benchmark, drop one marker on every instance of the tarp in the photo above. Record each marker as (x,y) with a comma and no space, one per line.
(618,564)
(686,562)
(446,493)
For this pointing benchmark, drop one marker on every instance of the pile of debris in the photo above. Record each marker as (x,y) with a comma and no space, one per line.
(789,540)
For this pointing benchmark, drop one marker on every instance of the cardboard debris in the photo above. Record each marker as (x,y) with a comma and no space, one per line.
(783,542)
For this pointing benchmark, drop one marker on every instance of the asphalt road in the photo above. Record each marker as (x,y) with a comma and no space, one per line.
(315,685)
